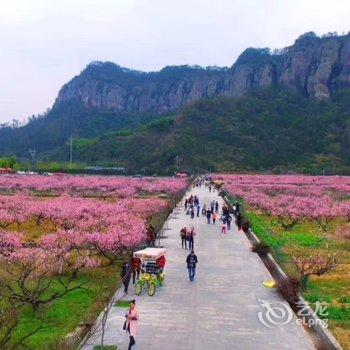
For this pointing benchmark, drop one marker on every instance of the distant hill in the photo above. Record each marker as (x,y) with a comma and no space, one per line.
(106,98)
(269,130)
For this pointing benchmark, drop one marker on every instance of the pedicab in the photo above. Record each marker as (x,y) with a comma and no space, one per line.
(152,261)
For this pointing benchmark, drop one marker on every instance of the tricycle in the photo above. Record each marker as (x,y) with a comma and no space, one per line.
(152,265)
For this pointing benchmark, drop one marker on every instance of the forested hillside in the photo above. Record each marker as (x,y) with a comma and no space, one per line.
(269,130)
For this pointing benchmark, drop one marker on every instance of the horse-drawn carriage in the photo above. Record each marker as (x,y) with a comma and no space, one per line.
(152,262)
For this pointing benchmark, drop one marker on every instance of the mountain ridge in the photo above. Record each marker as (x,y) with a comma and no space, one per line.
(314,66)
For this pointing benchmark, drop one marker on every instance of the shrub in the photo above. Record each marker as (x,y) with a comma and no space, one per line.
(289,289)
(261,248)
(245,226)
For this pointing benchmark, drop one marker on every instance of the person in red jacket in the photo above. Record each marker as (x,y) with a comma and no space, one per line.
(136,268)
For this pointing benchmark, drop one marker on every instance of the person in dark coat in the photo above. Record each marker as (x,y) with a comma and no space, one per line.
(125,274)
(191,261)
(190,238)
(150,237)
(183,235)
(208,215)
(212,206)
(239,221)
(136,269)
(228,221)
(216,207)
(237,207)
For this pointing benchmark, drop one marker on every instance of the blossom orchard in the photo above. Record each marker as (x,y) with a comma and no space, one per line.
(72,233)
(91,186)
(292,199)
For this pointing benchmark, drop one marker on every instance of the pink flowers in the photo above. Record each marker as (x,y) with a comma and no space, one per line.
(10,241)
(343,232)
(80,231)
(87,186)
(291,199)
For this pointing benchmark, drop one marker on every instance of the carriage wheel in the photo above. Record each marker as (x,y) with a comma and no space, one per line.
(151,288)
(138,288)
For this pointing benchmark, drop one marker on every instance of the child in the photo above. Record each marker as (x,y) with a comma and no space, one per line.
(223,227)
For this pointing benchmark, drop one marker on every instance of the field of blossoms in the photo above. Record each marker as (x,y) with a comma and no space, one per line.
(305,220)
(62,239)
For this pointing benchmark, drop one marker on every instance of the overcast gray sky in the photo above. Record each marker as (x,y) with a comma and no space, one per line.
(43,44)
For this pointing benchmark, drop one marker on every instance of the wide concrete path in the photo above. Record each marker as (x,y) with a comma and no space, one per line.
(219,310)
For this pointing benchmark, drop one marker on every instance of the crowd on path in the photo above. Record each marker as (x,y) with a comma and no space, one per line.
(211,211)
(195,209)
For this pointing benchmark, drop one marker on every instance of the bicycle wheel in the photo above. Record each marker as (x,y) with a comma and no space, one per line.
(151,288)
(138,288)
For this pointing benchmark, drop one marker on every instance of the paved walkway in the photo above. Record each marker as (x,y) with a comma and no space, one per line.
(219,310)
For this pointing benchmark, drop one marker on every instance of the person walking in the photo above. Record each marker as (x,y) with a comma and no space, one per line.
(225,210)
(223,227)
(150,233)
(190,238)
(212,206)
(237,207)
(183,235)
(192,211)
(130,325)
(228,221)
(239,220)
(136,269)
(216,207)
(198,209)
(204,209)
(208,215)
(191,261)
(214,218)
(150,237)
(125,274)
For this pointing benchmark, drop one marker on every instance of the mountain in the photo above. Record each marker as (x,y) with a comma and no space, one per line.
(105,97)
(315,66)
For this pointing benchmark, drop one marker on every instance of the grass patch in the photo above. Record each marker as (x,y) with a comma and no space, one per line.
(106,347)
(64,315)
(123,303)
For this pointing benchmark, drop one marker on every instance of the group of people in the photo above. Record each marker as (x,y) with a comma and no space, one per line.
(187,236)
(212,215)
(130,269)
(192,204)
(204,181)
(192,207)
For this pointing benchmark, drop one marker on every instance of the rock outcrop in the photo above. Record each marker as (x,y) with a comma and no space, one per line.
(317,67)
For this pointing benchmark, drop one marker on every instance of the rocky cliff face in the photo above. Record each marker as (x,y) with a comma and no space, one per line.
(315,66)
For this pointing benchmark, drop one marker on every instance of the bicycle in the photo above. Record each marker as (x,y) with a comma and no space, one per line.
(152,282)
